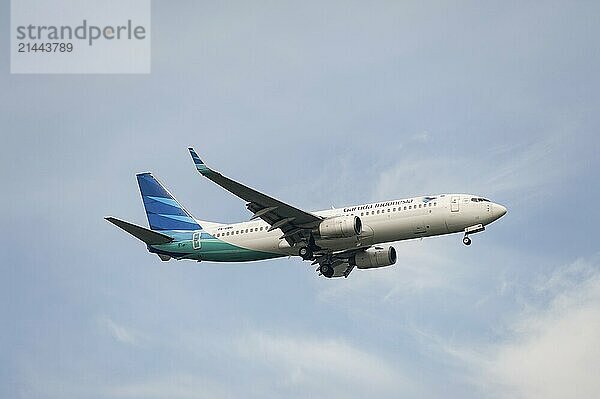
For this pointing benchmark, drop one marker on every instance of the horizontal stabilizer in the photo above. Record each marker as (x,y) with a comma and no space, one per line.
(148,236)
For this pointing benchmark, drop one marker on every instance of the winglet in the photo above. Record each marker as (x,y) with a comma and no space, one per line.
(202,168)
(195,156)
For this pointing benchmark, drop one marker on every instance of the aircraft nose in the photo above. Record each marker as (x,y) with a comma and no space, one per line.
(499,211)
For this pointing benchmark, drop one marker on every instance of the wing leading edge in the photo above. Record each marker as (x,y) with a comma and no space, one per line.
(295,223)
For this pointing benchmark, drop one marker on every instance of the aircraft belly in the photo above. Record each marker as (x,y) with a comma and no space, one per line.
(216,250)
(248,250)
(238,255)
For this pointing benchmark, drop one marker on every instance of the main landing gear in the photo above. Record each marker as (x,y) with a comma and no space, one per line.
(326,270)
(307,250)
(305,253)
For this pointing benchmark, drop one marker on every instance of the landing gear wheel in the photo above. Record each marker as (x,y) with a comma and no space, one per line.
(305,253)
(467,240)
(326,270)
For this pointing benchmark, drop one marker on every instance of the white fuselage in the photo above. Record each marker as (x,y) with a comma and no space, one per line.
(382,222)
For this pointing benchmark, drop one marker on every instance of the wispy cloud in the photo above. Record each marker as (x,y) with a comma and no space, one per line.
(327,365)
(520,169)
(552,349)
(118,332)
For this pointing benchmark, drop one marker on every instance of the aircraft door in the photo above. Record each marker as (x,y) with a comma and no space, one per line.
(454,204)
(196,240)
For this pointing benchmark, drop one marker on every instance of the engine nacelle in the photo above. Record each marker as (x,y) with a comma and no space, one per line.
(340,227)
(375,257)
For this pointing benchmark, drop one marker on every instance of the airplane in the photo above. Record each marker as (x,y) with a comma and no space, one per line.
(337,240)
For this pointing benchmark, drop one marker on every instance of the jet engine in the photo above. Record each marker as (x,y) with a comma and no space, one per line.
(372,258)
(340,227)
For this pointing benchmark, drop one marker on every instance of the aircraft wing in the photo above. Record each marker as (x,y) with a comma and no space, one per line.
(295,223)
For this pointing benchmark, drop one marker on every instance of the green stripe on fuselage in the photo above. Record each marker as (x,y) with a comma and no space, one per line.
(213,250)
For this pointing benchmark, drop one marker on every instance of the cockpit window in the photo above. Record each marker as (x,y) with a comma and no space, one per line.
(480,200)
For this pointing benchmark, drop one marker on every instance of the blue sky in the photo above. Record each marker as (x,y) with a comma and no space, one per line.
(317,104)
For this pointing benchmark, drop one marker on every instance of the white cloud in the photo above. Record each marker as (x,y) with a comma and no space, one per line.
(118,332)
(325,365)
(555,353)
(520,167)
(552,349)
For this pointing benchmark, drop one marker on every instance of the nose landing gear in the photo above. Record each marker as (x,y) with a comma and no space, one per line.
(478,228)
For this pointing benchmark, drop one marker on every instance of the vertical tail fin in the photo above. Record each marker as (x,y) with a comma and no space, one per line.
(162,209)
